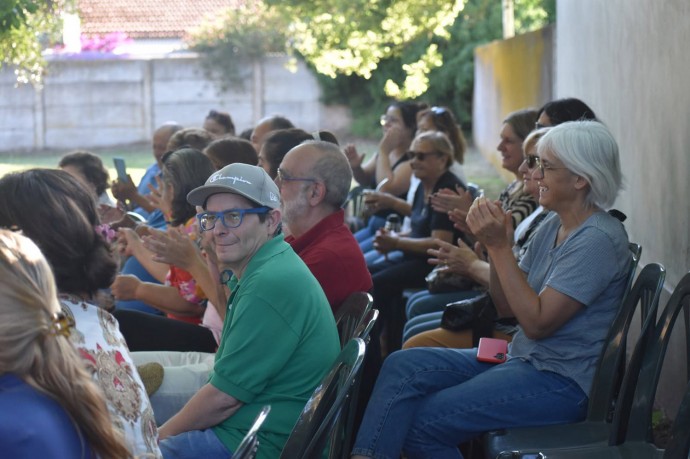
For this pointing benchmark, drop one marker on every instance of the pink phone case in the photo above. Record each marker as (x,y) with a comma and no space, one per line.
(492,350)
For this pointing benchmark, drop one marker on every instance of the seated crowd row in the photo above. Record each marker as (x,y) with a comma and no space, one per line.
(223,270)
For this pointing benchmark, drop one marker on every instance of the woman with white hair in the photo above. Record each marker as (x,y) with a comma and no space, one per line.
(564,294)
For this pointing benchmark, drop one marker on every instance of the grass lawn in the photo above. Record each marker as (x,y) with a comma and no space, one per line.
(137,157)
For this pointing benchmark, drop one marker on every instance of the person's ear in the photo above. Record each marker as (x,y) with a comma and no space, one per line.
(317,193)
(273,218)
(581,183)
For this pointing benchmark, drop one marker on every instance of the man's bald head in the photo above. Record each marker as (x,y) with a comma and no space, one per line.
(161,137)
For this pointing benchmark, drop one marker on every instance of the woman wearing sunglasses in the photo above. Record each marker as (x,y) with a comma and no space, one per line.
(424,310)
(431,156)
(564,293)
(421,330)
(429,119)
(389,169)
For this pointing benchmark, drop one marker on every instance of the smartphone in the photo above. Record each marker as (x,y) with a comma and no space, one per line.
(121,169)
(492,350)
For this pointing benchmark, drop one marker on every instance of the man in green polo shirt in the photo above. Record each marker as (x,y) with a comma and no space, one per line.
(279,336)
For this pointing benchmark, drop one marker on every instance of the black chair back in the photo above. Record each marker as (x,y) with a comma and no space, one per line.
(343,432)
(679,443)
(320,414)
(607,379)
(250,443)
(633,416)
(350,314)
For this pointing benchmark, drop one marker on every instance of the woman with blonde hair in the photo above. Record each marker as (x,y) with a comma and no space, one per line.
(54,403)
(55,211)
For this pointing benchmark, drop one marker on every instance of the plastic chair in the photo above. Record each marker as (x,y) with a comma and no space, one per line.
(631,436)
(365,327)
(320,414)
(342,437)
(354,205)
(250,443)
(595,428)
(350,314)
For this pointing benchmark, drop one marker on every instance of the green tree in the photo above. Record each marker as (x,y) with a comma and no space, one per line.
(430,66)
(229,40)
(25,26)
(366,52)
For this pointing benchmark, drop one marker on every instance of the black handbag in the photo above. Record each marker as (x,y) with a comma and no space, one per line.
(440,280)
(477,314)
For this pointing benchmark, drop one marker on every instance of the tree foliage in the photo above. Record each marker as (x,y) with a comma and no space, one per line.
(366,52)
(449,77)
(228,41)
(25,27)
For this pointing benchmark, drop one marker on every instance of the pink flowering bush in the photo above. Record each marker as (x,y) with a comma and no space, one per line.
(104,44)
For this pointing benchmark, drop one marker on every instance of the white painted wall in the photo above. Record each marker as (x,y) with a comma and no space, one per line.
(630,61)
(113,101)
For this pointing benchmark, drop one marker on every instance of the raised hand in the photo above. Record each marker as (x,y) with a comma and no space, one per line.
(490,224)
(353,156)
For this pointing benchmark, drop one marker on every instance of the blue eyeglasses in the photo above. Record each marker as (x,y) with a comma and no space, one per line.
(231,218)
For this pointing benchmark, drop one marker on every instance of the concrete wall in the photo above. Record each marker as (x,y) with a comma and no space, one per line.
(105,102)
(629,59)
(509,75)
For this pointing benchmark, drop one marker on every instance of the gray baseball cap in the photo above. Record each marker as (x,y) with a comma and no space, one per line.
(252,182)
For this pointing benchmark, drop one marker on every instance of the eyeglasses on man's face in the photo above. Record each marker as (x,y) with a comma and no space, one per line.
(420,155)
(283,176)
(231,218)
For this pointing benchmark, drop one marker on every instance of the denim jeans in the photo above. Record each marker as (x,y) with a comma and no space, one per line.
(420,324)
(424,302)
(193,445)
(428,400)
(375,222)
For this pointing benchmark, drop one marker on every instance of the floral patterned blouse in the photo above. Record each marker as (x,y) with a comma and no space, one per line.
(97,337)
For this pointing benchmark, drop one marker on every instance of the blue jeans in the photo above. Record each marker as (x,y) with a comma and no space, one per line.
(428,400)
(375,222)
(194,444)
(420,324)
(424,302)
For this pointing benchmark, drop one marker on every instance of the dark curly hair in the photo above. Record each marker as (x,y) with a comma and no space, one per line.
(90,166)
(55,211)
(185,169)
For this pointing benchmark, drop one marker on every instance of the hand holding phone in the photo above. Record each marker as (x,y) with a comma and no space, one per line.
(492,350)
(121,169)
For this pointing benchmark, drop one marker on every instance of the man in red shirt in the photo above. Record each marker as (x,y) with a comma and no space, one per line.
(314,179)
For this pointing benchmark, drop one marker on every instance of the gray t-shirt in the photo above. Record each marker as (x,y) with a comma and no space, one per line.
(590,266)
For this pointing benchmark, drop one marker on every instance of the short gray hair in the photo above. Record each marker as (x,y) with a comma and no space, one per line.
(587,149)
(333,168)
